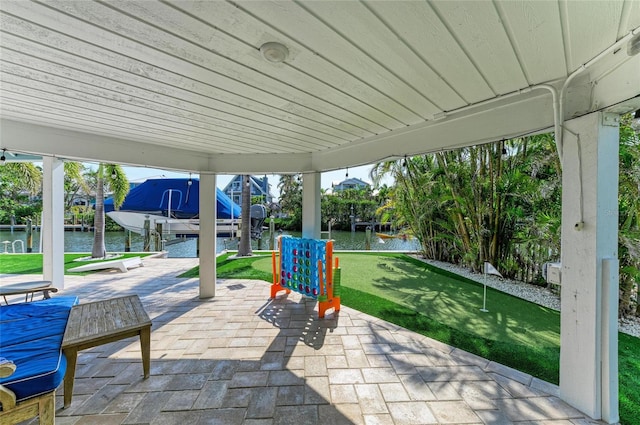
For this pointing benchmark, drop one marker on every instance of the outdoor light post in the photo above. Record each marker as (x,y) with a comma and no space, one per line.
(353,220)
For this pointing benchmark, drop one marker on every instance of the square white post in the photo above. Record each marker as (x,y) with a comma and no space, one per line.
(588,353)
(207,235)
(53,221)
(311,205)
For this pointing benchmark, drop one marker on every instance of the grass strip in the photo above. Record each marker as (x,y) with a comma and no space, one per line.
(451,299)
(230,267)
(32,263)
(629,378)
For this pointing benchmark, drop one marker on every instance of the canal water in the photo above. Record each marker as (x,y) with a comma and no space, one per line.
(114,242)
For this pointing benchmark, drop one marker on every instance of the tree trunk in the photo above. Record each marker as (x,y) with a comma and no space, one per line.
(457,215)
(99,250)
(497,206)
(244,247)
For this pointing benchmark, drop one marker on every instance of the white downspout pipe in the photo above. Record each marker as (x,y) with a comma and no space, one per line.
(559,97)
(574,74)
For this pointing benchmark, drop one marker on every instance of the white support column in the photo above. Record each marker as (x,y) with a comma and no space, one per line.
(609,344)
(53,221)
(311,205)
(208,207)
(589,317)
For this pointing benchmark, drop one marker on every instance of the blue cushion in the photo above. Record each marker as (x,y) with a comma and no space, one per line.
(31,337)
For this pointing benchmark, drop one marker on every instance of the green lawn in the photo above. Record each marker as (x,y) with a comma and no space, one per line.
(32,263)
(443,297)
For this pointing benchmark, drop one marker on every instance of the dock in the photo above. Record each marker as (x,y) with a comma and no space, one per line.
(23,228)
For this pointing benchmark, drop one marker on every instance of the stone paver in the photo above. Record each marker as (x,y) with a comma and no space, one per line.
(384,419)
(241,359)
(343,394)
(453,412)
(394,392)
(411,413)
(371,399)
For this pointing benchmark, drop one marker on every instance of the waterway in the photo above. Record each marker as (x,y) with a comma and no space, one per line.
(115,241)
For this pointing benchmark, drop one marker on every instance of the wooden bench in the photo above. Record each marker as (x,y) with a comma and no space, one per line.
(101,322)
(27,288)
(123,264)
(42,406)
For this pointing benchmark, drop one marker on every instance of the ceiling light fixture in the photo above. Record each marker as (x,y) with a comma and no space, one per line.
(3,159)
(347,175)
(274,52)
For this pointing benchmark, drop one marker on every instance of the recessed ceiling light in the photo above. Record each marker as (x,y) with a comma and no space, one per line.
(274,52)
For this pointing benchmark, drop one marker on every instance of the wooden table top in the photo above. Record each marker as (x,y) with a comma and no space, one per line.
(96,320)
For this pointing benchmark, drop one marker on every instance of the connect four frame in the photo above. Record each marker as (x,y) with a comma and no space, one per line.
(306,266)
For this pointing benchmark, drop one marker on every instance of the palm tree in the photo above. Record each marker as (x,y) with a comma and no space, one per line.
(29,176)
(290,186)
(16,180)
(629,217)
(244,247)
(119,185)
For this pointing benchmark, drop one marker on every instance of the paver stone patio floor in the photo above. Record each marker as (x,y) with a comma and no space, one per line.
(240,358)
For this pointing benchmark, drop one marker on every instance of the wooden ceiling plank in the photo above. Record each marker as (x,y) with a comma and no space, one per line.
(138,59)
(421,29)
(242,138)
(478,28)
(53,102)
(196,93)
(355,22)
(79,90)
(630,17)
(292,18)
(535,33)
(239,142)
(224,29)
(108,127)
(160,42)
(591,27)
(160,97)
(165,82)
(73,143)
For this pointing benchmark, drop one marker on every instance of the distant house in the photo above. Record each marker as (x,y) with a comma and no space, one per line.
(259,187)
(351,183)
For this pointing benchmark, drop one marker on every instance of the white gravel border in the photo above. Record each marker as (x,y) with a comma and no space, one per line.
(533,293)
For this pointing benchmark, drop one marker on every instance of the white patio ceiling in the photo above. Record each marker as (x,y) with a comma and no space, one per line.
(183,84)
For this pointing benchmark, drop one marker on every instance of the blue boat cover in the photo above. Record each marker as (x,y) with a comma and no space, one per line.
(31,337)
(153,195)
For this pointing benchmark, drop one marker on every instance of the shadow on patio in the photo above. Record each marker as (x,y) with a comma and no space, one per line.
(240,358)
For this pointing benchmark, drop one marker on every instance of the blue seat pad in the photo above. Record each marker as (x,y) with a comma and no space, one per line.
(31,337)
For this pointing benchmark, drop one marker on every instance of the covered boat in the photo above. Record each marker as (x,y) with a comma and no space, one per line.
(175,203)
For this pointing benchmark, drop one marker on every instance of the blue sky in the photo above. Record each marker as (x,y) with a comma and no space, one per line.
(139,173)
